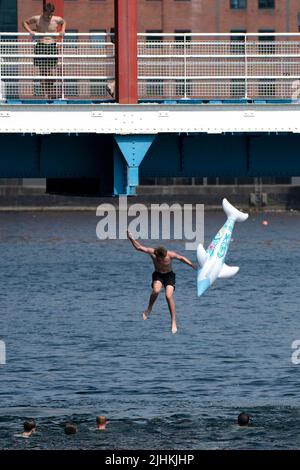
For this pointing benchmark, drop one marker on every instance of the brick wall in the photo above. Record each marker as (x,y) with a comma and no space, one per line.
(171,15)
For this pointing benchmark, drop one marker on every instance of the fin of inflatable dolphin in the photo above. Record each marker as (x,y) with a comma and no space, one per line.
(233,213)
(228,271)
(201,255)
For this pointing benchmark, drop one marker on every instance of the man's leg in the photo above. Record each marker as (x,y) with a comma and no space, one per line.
(51,84)
(44,83)
(157,285)
(171,305)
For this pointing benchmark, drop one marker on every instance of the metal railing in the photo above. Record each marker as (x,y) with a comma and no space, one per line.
(75,66)
(219,66)
(215,66)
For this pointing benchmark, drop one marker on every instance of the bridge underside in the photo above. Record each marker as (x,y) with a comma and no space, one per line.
(118,161)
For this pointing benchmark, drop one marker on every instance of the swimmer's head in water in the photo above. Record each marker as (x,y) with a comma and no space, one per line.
(29,425)
(70,428)
(49,9)
(160,252)
(101,420)
(243,419)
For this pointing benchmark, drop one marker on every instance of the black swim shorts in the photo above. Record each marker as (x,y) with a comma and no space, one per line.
(45,49)
(167,279)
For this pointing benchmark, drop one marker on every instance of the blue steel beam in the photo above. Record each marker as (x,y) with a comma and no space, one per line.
(133,148)
(56,156)
(238,155)
(119,161)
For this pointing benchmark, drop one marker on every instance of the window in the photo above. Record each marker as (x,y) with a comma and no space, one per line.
(237,88)
(70,87)
(183,88)
(266,86)
(8,16)
(157,37)
(37,89)
(266,46)
(264,4)
(238,4)
(154,88)
(181,38)
(96,40)
(152,40)
(237,44)
(97,88)
(71,41)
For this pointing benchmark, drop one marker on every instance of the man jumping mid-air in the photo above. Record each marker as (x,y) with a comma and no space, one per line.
(163,276)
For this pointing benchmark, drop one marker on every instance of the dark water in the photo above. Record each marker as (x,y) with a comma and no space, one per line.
(76,346)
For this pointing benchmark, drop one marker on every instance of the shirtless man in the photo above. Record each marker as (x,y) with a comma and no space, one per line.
(163,276)
(46,45)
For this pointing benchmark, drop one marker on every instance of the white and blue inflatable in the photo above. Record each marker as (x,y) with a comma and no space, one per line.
(212,261)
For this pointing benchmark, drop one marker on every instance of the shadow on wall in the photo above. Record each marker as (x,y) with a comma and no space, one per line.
(75,186)
(293,198)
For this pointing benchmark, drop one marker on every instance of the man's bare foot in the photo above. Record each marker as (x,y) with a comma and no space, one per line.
(174,329)
(145,315)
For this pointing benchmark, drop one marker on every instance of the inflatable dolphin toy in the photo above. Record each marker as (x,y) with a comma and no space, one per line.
(212,260)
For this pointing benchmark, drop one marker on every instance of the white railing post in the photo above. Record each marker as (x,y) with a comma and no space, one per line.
(62,69)
(246,65)
(185,65)
(1,93)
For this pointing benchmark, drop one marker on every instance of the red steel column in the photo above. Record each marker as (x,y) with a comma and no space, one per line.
(126,51)
(59,6)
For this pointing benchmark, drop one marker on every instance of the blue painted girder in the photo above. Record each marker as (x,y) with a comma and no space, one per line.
(134,147)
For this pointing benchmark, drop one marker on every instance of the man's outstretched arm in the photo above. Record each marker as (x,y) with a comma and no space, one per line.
(183,259)
(138,246)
